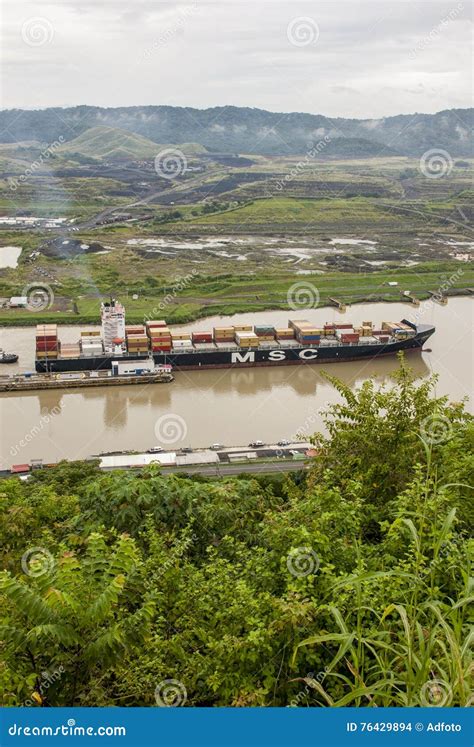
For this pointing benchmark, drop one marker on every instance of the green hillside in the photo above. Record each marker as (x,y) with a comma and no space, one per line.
(112,143)
(109,142)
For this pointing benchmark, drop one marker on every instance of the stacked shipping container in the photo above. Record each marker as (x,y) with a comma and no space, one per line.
(47,343)
(305,332)
(223,334)
(247,339)
(159,336)
(91,343)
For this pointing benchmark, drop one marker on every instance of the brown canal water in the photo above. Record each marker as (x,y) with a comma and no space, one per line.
(231,407)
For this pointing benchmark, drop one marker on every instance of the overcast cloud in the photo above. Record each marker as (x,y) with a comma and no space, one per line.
(349,59)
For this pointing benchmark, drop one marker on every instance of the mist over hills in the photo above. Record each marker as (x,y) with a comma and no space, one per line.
(231,129)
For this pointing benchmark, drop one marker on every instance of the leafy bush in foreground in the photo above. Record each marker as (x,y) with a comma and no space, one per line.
(349,587)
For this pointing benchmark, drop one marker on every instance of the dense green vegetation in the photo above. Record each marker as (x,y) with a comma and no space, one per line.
(347,584)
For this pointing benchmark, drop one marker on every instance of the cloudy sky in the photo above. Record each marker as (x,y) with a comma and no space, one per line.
(350,59)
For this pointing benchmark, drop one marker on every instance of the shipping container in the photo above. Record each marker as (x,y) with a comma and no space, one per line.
(243,328)
(349,338)
(46,353)
(156,323)
(202,336)
(183,343)
(285,331)
(204,346)
(90,333)
(294,323)
(160,338)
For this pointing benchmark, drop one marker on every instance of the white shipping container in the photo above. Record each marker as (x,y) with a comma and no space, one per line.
(182,343)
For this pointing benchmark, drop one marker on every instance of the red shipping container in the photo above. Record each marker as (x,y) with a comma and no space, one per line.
(342,326)
(350,338)
(202,336)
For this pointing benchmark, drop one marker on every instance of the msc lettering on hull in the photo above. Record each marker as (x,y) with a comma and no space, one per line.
(273,355)
(247,357)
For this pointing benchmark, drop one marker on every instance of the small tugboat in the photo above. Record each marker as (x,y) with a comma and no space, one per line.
(8,357)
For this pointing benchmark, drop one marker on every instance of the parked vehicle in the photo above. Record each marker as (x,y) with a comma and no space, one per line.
(216,447)
(256,444)
(155,450)
(284,442)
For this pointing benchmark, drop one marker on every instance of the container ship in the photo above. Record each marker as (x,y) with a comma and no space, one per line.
(126,349)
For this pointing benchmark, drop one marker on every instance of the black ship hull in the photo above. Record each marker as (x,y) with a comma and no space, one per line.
(247,358)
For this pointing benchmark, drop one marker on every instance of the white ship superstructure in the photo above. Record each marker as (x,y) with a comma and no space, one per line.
(113,323)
